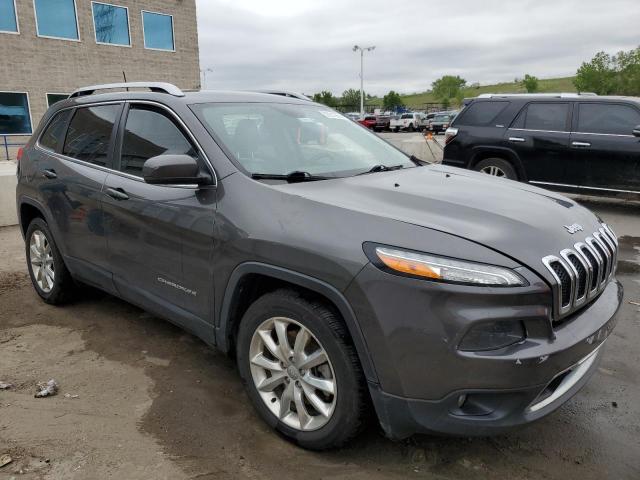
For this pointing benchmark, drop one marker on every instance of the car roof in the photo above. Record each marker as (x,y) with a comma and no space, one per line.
(554,97)
(188,98)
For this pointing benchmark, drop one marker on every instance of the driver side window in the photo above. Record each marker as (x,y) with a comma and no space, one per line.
(149,132)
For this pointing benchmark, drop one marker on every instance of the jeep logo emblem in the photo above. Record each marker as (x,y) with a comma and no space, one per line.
(573,228)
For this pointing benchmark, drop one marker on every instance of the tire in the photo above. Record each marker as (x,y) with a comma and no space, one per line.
(412,128)
(49,275)
(497,167)
(344,410)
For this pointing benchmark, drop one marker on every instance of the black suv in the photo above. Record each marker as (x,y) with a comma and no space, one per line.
(344,276)
(568,142)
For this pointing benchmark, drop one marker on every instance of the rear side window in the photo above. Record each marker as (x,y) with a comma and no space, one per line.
(544,116)
(149,133)
(53,136)
(481,114)
(90,133)
(607,118)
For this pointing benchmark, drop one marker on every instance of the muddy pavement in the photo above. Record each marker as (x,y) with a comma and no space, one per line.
(154,402)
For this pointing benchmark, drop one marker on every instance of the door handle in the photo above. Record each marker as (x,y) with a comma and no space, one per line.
(51,174)
(516,139)
(117,194)
(581,144)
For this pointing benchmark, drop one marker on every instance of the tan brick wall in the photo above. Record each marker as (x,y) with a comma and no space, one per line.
(42,65)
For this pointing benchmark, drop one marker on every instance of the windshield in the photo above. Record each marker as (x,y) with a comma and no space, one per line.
(441,118)
(277,139)
(407,115)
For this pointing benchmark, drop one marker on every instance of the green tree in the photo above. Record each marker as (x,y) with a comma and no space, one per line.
(447,87)
(392,100)
(597,75)
(530,83)
(326,98)
(628,69)
(446,103)
(351,99)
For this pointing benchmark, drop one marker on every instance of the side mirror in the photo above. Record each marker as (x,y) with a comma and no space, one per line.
(173,169)
(636,131)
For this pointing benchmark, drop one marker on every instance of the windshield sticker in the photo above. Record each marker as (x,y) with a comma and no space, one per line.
(330,114)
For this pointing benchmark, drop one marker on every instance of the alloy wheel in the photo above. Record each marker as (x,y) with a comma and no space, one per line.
(41,259)
(293,374)
(493,170)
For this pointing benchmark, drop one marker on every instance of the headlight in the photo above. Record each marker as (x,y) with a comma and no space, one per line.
(445,269)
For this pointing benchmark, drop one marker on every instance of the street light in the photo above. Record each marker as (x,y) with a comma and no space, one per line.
(362,50)
(204,76)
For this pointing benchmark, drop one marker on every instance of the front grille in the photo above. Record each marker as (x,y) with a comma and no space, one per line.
(582,272)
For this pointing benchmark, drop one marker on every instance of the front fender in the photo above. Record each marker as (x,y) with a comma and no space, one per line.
(223,324)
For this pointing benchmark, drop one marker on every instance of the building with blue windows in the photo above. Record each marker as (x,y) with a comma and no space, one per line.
(51,47)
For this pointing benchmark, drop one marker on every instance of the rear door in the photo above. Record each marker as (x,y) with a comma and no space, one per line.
(159,236)
(605,151)
(73,169)
(540,137)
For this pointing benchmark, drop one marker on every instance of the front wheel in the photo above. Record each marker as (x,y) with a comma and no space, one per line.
(300,370)
(497,167)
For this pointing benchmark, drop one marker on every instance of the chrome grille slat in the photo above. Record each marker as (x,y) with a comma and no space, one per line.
(582,272)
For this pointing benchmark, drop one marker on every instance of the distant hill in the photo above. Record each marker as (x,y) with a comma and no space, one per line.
(551,85)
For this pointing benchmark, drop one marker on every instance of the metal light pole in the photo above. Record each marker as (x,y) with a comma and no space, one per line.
(204,77)
(362,50)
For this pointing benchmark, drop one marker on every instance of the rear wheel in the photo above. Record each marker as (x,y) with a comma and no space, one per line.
(47,270)
(497,167)
(300,370)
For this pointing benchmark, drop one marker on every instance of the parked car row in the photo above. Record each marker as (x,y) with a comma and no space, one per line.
(436,122)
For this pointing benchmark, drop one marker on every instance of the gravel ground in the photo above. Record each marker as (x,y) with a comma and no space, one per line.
(154,402)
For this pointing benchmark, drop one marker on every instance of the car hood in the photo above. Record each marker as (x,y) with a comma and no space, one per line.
(523,222)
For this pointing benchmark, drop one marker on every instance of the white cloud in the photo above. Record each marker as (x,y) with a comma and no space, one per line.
(305,45)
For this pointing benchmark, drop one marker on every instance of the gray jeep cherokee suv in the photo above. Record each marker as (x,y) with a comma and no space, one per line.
(346,277)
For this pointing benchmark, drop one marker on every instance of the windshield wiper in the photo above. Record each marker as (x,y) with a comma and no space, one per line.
(291,177)
(382,168)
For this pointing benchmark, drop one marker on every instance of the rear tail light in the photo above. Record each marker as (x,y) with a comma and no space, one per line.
(450,134)
(19,154)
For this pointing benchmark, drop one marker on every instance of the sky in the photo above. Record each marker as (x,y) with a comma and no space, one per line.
(306,45)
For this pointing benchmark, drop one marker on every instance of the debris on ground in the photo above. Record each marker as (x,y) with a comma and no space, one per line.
(47,389)
(68,395)
(637,304)
(5,460)
(5,386)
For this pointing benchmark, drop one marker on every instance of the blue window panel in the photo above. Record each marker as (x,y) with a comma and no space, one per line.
(15,118)
(8,22)
(158,31)
(57,18)
(111,24)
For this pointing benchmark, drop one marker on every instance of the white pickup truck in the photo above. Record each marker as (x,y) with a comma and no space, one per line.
(407,121)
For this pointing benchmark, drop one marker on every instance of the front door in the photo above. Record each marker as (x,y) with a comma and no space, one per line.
(605,151)
(540,138)
(159,237)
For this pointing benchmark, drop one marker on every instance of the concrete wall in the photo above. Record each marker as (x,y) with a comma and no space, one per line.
(43,65)
(8,214)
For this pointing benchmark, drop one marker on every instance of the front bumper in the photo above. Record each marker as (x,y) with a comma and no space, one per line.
(412,328)
(481,412)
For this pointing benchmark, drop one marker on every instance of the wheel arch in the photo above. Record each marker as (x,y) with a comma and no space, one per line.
(252,279)
(482,153)
(28,209)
